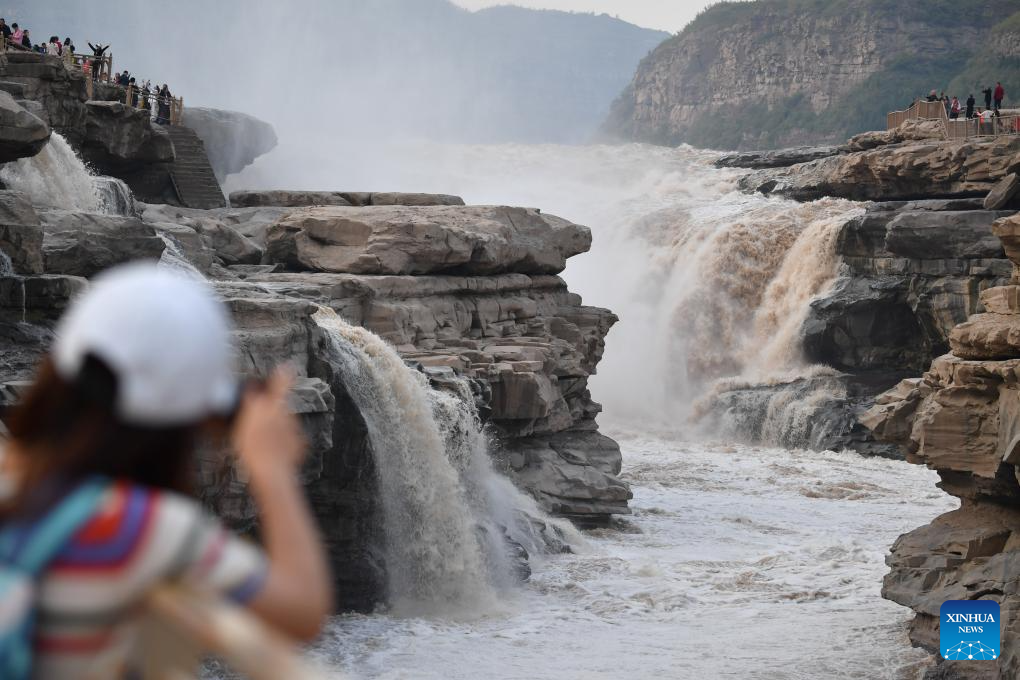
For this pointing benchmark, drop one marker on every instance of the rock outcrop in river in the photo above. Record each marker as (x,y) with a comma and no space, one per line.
(963,420)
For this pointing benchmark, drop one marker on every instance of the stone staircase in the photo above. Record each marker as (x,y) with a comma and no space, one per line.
(192,175)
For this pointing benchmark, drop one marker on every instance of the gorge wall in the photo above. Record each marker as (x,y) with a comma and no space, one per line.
(771,73)
(960,419)
(928,282)
(465,301)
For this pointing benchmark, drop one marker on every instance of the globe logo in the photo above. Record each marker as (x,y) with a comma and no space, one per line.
(969,630)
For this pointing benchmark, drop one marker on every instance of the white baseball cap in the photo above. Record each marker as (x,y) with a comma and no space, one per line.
(166,338)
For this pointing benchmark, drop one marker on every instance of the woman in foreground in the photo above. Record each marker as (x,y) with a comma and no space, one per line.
(139,377)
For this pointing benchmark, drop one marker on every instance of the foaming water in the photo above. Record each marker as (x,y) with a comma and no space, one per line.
(739,561)
(57,178)
(710,284)
(446,515)
(54,178)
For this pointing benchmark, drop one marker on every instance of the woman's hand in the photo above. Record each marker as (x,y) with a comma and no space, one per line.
(297,594)
(267,437)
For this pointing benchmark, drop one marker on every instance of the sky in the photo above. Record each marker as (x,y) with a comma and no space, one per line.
(667,15)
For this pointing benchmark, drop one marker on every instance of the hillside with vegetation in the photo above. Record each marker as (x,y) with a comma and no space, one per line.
(774,73)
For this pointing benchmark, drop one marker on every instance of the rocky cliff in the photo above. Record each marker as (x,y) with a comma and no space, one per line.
(120,141)
(775,73)
(963,420)
(508,324)
(469,296)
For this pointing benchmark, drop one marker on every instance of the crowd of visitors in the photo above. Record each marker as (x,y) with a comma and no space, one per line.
(144,96)
(993,103)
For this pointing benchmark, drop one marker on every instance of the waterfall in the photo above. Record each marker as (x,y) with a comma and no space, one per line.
(174,257)
(6,266)
(501,510)
(115,197)
(446,514)
(13,279)
(57,178)
(712,285)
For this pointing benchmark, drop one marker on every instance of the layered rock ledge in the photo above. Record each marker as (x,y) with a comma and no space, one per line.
(462,292)
(896,171)
(962,419)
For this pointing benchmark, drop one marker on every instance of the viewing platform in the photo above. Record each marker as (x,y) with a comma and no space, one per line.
(99,70)
(956,128)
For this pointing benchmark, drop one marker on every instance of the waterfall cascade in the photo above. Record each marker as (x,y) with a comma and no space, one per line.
(712,285)
(115,197)
(447,514)
(11,278)
(57,178)
(6,266)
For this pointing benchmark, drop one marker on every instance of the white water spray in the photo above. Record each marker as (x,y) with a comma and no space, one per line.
(446,515)
(57,178)
(710,283)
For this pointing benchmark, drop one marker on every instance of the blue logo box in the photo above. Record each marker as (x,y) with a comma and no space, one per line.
(969,630)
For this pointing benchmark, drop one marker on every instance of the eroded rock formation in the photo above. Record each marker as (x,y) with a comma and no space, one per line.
(768,74)
(233,140)
(895,172)
(498,316)
(423,240)
(963,420)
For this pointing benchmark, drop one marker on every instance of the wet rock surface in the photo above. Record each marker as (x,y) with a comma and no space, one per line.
(780,158)
(962,418)
(520,336)
(910,272)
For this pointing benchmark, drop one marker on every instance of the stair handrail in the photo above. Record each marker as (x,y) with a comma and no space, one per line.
(136,97)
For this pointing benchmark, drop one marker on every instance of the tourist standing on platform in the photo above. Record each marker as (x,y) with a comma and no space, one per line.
(954,108)
(1000,94)
(98,51)
(971,102)
(163,115)
(5,29)
(987,92)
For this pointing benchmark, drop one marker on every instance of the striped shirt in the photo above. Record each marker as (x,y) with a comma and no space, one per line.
(89,624)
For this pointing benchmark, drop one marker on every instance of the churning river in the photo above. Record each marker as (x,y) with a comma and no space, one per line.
(739,560)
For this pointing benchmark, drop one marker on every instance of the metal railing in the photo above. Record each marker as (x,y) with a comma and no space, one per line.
(168,110)
(100,70)
(956,129)
(991,126)
(919,110)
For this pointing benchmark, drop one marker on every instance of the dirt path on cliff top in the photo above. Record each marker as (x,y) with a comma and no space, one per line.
(738,562)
